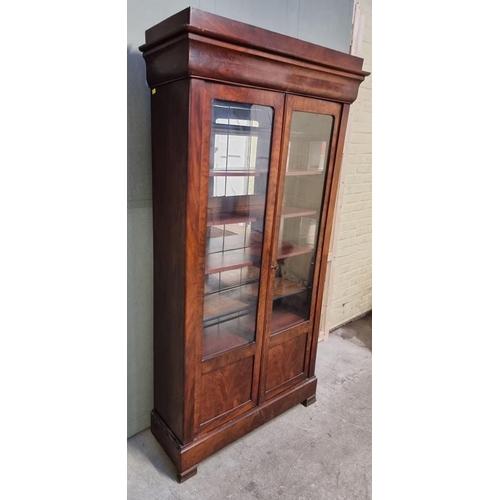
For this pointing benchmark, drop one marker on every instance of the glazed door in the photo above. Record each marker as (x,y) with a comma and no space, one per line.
(310,136)
(239,177)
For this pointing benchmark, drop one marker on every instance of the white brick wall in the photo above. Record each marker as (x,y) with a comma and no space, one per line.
(348,290)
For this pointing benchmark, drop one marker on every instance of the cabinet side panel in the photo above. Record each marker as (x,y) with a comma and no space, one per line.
(169,116)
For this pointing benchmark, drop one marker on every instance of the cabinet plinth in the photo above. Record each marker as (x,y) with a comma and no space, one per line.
(248,129)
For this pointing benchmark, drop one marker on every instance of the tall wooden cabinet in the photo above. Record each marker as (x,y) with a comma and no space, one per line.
(247,135)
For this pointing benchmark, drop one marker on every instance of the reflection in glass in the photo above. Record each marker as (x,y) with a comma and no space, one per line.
(300,216)
(238,173)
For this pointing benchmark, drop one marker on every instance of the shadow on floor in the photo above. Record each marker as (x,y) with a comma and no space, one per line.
(151,451)
(359,331)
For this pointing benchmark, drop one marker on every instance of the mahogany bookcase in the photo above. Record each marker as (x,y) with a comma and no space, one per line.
(248,128)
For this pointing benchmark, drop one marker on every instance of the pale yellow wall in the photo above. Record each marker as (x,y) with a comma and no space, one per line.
(348,287)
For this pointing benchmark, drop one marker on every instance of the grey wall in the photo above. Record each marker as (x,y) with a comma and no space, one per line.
(325,22)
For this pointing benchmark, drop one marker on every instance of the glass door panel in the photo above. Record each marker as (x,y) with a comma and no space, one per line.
(303,190)
(237,189)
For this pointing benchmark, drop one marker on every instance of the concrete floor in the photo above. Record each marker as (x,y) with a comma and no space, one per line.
(319,452)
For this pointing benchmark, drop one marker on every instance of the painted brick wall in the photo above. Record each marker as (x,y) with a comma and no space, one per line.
(349,287)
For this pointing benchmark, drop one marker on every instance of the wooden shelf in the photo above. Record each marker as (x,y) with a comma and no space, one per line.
(232,259)
(242,257)
(287,212)
(234,173)
(216,306)
(287,249)
(221,219)
(231,279)
(284,287)
(304,172)
(235,300)
(235,243)
(226,336)
(282,319)
(230,301)
(227,302)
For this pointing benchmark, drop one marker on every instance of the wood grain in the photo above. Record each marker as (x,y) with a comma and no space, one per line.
(226,388)
(245,35)
(202,45)
(286,361)
(222,359)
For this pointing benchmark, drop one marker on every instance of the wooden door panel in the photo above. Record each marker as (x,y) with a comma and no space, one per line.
(226,389)
(285,362)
